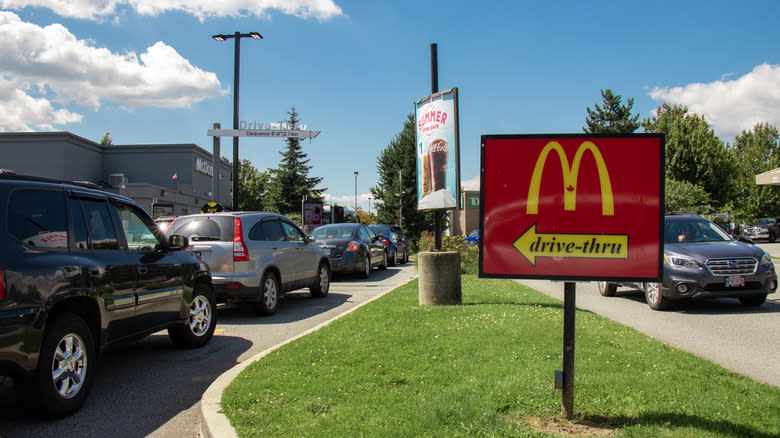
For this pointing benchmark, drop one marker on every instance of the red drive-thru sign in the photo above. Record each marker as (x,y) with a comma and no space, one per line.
(572,207)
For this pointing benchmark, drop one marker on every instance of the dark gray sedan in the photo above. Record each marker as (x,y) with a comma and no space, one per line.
(352,248)
(703,261)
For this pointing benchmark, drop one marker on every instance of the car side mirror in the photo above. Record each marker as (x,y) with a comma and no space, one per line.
(743,239)
(177,242)
(310,239)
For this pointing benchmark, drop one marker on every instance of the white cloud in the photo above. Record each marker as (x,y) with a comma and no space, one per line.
(98,9)
(65,70)
(471,183)
(731,106)
(29,112)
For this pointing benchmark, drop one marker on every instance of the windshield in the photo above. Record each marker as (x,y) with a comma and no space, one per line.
(693,230)
(333,232)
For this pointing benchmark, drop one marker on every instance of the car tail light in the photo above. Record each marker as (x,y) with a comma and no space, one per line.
(353,246)
(386,242)
(240,254)
(2,284)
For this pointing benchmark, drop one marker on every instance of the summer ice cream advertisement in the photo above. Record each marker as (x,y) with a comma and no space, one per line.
(438,154)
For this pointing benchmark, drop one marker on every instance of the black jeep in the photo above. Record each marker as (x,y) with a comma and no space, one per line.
(81,270)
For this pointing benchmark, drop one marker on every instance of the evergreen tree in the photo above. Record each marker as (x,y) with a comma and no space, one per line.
(693,153)
(755,152)
(290,182)
(612,117)
(401,155)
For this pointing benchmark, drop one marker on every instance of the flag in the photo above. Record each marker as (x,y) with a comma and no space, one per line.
(175,177)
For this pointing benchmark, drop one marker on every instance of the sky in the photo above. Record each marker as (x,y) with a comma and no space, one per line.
(149,72)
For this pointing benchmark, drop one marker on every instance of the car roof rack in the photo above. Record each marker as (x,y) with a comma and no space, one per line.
(7,174)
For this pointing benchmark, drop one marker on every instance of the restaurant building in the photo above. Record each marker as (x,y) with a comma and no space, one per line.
(166,179)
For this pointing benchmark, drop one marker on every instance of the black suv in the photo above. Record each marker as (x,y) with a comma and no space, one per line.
(81,270)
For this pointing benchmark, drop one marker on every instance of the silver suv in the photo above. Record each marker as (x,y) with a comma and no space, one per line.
(255,257)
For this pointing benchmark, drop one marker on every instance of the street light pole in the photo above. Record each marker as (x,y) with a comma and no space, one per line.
(236,62)
(357,218)
(400,201)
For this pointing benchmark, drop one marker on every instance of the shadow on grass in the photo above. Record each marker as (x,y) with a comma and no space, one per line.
(675,420)
(515,303)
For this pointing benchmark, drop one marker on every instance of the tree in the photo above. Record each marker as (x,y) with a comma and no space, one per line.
(290,182)
(693,153)
(107,140)
(755,152)
(401,155)
(612,117)
(253,186)
(684,196)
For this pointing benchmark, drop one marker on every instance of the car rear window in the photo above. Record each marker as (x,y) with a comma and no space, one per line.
(37,217)
(202,228)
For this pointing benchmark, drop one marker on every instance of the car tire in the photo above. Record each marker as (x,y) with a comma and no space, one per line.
(321,284)
(366,271)
(755,300)
(201,320)
(771,238)
(383,265)
(406,256)
(66,369)
(268,301)
(392,260)
(654,296)
(607,289)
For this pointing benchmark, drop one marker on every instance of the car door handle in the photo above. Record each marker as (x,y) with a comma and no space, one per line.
(93,271)
(143,270)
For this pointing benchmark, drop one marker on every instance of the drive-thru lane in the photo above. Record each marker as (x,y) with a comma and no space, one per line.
(742,339)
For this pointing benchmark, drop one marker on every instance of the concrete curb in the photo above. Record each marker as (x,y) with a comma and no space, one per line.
(214,424)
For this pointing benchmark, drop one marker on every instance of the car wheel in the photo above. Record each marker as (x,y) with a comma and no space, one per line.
(771,237)
(654,296)
(366,267)
(392,259)
(755,300)
(201,320)
(383,265)
(66,368)
(268,300)
(607,289)
(321,283)
(406,256)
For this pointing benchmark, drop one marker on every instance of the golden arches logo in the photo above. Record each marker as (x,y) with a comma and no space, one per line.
(570,178)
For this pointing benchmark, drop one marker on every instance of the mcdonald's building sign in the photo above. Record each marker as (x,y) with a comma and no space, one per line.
(572,207)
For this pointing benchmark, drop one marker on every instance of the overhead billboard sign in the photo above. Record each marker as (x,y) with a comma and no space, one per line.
(572,207)
(438,151)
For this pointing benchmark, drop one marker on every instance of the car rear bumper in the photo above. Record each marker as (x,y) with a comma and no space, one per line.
(345,264)
(21,339)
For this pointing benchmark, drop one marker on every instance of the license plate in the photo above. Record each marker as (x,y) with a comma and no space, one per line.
(735,281)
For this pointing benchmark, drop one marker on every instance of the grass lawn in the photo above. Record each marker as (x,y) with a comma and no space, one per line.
(485,368)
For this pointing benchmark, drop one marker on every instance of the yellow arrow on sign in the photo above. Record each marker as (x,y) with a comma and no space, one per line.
(592,246)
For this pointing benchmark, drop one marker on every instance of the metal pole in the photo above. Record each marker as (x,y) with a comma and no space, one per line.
(435,89)
(236,63)
(400,201)
(215,168)
(357,218)
(567,401)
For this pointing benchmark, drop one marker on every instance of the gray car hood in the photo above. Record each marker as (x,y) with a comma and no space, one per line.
(702,251)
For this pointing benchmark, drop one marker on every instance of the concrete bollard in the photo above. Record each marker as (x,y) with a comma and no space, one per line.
(439,278)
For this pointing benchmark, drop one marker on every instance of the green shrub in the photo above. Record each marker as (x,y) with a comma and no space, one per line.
(469,254)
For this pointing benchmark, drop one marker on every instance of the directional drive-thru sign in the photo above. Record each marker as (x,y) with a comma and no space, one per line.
(572,207)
